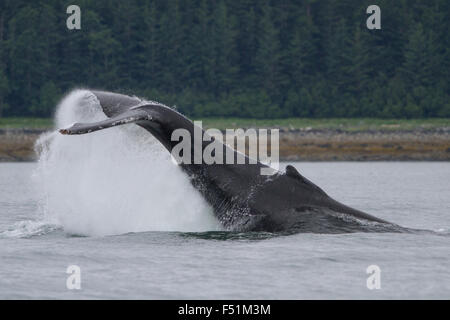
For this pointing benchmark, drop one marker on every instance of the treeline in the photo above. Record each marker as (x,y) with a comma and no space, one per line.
(243,58)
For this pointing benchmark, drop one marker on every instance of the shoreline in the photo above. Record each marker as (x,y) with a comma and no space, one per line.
(420,144)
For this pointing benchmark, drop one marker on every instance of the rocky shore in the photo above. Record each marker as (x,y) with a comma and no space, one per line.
(338,145)
(302,144)
(18,144)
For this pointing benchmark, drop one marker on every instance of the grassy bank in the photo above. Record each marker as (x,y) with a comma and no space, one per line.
(26,123)
(357,139)
(357,124)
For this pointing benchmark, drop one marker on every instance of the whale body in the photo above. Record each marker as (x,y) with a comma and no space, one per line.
(242,198)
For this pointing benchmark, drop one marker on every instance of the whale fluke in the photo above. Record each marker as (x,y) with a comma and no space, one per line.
(133,115)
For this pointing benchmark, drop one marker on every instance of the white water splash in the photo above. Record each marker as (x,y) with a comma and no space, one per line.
(113,181)
(29,228)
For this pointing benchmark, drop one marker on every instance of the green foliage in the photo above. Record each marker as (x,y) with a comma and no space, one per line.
(48,98)
(4,89)
(231,58)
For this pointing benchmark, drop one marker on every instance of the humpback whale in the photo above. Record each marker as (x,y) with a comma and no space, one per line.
(242,198)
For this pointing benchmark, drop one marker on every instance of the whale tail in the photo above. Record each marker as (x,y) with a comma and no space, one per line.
(130,116)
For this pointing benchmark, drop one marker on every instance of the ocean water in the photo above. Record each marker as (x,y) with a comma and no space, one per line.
(113,204)
(35,252)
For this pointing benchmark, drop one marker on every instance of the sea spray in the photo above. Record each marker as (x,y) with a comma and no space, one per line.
(113,181)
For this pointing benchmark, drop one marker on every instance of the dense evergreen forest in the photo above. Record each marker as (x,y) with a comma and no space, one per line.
(244,58)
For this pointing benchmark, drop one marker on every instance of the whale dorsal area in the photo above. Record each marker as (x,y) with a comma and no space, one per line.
(293,173)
